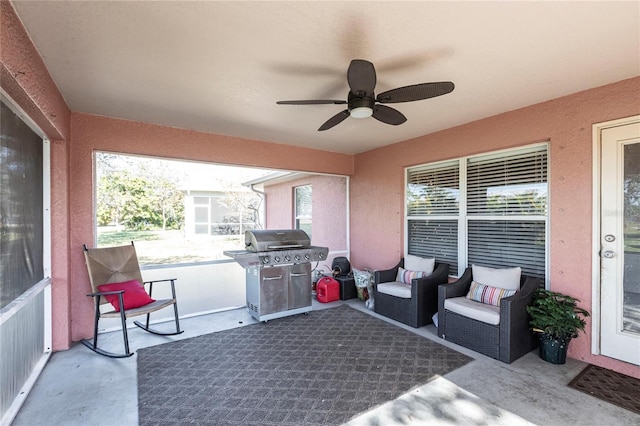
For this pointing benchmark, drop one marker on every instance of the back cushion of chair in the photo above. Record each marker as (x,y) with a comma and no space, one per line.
(416,263)
(508,278)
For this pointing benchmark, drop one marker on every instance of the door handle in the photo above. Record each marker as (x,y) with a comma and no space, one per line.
(608,254)
(279,277)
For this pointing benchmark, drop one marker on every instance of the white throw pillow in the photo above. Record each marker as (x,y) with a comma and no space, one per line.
(416,263)
(508,278)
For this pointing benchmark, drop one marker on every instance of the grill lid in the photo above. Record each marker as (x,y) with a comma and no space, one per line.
(259,240)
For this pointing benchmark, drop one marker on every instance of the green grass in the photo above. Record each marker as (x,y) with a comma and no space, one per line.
(170,247)
(116,238)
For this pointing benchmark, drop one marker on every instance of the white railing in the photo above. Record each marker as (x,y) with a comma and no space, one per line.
(201,288)
(25,346)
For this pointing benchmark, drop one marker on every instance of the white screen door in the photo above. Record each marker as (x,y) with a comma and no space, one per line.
(620,243)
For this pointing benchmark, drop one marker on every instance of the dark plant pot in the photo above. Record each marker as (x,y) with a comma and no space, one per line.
(553,349)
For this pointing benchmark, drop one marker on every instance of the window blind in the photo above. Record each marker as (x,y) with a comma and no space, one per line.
(433,190)
(505,244)
(511,184)
(435,238)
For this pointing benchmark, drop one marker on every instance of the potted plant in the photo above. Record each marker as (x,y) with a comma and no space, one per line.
(557,319)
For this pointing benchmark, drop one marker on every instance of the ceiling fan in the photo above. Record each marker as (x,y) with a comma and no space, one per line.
(362,103)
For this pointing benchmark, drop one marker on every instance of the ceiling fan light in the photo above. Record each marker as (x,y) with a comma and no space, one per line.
(361,112)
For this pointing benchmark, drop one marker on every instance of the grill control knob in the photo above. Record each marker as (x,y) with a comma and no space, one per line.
(276,259)
(287,258)
(296,257)
(320,255)
(265,259)
(306,256)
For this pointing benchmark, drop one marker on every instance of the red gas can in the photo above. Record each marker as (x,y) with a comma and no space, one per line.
(328,290)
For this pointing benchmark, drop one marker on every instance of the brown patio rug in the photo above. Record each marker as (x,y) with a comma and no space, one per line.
(318,369)
(609,386)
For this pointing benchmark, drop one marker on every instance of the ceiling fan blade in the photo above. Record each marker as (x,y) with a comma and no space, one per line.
(415,92)
(313,102)
(388,115)
(361,77)
(336,119)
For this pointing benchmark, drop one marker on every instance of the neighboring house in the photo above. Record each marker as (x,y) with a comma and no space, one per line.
(217,209)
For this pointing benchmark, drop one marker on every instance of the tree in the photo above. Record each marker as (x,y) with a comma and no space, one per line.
(246,206)
(133,193)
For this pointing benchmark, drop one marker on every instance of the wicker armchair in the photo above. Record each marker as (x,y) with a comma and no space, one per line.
(423,304)
(508,340)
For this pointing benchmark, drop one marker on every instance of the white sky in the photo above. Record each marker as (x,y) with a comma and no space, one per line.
(204,171)
(195,174)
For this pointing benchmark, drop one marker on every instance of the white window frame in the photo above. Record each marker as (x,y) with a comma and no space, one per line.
(464,217)
(435,218)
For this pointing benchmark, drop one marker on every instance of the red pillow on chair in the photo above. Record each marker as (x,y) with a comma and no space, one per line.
(134,295)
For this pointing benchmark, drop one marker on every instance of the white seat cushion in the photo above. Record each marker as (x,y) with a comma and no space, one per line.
(395,288)
(508,278)
(489,314)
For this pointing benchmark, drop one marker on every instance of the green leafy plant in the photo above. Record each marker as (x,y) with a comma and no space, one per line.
(556,315)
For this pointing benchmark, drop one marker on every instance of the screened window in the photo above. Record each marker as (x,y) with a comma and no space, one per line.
(21,207)
(488,210)
(166,205)
(303,208)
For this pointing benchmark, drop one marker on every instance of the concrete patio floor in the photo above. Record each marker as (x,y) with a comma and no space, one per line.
(80,388)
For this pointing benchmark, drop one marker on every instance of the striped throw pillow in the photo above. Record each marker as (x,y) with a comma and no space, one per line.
(405,276)
(487,294)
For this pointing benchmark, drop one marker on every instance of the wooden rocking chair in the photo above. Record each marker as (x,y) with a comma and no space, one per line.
(115,278)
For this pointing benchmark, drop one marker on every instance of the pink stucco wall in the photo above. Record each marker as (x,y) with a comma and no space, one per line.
(279,208)
(329,211)
(377,186)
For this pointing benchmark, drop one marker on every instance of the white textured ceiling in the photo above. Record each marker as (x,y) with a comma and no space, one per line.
(220,66)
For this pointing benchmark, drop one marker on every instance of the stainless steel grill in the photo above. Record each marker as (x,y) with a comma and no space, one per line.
(278,271)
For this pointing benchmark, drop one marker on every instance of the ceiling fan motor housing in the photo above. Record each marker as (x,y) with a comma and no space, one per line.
(360,106)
